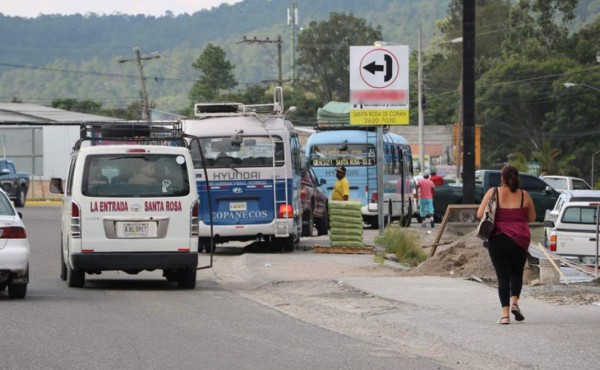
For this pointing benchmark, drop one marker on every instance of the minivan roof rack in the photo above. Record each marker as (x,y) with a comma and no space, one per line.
(168,133)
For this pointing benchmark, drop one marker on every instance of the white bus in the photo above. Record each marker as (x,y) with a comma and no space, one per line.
(247,173)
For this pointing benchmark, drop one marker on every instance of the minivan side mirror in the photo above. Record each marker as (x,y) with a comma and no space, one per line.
(56,186)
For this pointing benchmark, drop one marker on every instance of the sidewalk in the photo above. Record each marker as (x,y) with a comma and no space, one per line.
(39,203)
(462,314)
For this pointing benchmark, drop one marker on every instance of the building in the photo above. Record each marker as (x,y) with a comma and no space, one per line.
(439,147)
(39,140)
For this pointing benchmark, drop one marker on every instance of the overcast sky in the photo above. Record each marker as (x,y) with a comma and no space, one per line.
(33,8)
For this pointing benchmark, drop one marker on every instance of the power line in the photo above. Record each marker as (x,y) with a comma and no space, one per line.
(262,42)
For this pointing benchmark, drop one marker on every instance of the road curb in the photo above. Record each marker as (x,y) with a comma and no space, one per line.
(38,203)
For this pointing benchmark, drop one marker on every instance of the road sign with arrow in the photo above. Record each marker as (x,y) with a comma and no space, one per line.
(379,85)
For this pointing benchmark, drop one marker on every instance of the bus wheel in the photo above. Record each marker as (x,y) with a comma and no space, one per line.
(374,222)
(406,218)
(323,224)
(207,248)
(288,244)
(307,223)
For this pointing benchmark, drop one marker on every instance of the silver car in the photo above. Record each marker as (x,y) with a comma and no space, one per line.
(14,250)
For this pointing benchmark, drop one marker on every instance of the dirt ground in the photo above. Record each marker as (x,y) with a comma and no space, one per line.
(467,258)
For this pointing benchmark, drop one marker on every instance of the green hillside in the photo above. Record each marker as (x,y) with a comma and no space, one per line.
(54,56)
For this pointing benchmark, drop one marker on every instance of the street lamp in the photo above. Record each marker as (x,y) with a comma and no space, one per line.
(593,155)
(571,84)
(420,99)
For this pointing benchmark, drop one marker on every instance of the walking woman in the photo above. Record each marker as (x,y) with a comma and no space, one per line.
(510,240)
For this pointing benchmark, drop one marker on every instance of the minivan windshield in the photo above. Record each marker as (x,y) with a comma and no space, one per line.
(135,175)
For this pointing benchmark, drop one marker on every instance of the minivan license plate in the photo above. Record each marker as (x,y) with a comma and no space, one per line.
(135,229)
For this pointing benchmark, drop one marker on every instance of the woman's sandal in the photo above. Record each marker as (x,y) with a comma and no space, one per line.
(517,312)
(505,320)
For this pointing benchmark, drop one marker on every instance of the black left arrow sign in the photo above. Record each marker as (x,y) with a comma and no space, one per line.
(373,67)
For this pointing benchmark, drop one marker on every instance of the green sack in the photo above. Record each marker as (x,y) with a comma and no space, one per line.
(344,238)
(344,204)
(345,225)
(345,212)
(346,231)
(345,221)
(347,244)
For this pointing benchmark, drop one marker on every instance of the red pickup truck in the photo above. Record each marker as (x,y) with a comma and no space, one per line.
(314,204)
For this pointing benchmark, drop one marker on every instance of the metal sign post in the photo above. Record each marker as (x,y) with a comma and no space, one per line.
(379,82)
(380,217)
(597,205)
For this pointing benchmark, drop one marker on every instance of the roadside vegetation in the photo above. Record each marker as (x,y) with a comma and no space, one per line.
(405,244)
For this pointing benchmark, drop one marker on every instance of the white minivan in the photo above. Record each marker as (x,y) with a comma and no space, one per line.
(129,207)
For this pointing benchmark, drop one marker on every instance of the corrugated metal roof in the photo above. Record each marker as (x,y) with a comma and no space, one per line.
(23,112)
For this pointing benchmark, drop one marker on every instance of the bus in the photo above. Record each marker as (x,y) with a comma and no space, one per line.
(356,150)
(248,167)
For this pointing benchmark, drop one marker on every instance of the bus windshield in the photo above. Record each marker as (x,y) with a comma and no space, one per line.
(326,155)
(249,151)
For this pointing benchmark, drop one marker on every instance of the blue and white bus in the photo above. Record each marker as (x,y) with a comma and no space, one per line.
(247,173)
(356,150)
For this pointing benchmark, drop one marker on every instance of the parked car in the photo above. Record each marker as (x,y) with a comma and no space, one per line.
(562,183)
(14,250)
(314,204)
(14,184)
(574,233)
(564,199)
(544,196)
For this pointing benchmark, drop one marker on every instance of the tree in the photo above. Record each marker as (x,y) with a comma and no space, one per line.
(217,75)
(74,105)
(539,28)
(324,56)
(443,58)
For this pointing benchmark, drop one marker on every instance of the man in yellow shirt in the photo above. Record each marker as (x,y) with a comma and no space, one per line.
(341,189)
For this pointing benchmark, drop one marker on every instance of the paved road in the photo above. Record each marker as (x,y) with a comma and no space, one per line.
(120,321)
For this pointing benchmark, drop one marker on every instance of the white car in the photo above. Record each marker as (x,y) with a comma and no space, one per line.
(563,183)
(565,198)
(14,250)
(574,234)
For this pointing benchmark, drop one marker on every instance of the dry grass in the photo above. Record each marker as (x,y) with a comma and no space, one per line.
(404,243)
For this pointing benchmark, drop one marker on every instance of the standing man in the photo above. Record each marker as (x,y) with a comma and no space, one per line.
(436,179)
(425,194)
(543,173)
(341,189)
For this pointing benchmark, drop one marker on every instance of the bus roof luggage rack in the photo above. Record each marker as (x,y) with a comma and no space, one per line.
(336,116)
(169,133)
(204,110)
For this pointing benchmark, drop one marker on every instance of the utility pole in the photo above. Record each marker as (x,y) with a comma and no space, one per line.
(468,96)
(139,59)
(459,133)
(269,41)
(292,20)
(420,102)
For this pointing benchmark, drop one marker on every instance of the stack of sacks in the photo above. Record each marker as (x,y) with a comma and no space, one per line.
(345,224)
